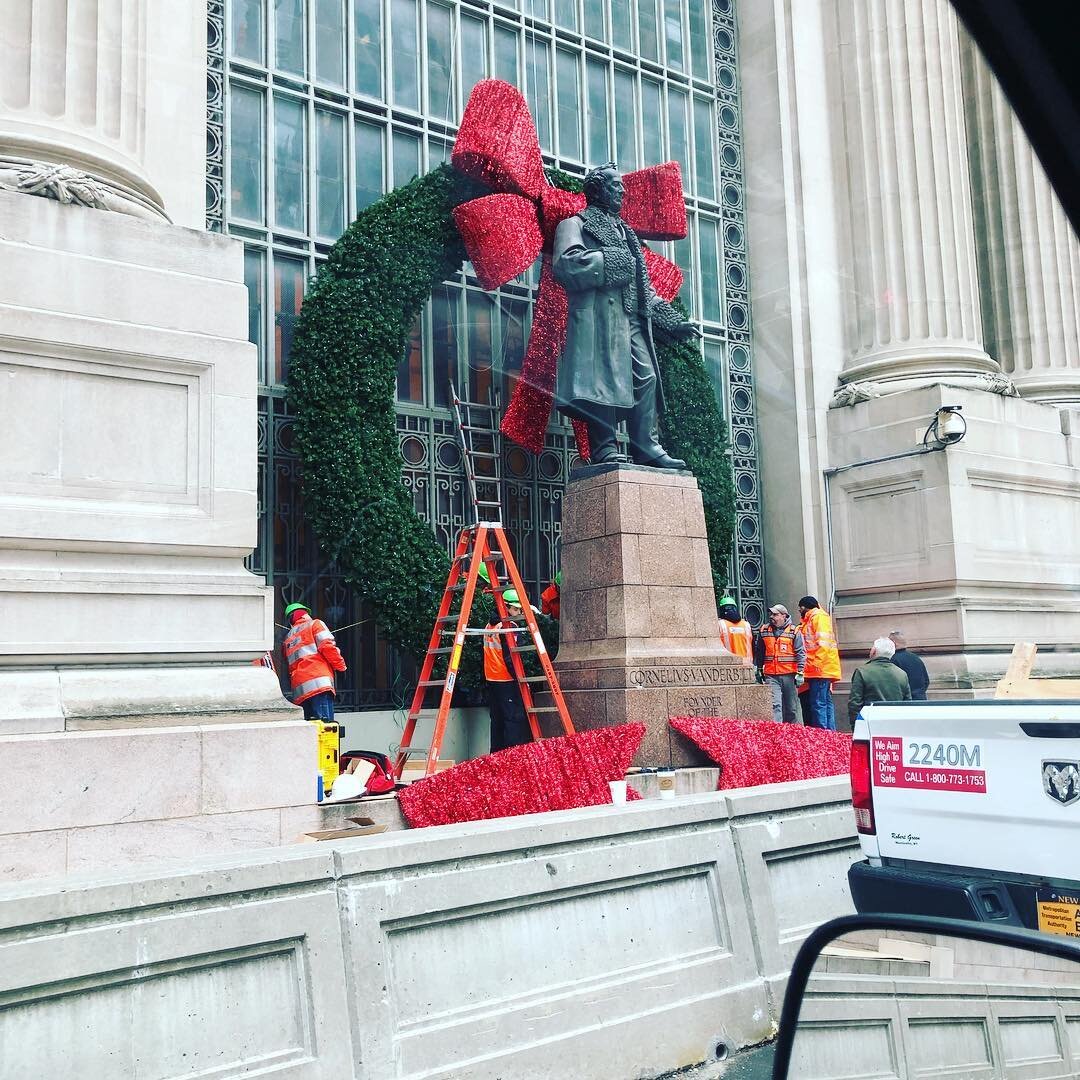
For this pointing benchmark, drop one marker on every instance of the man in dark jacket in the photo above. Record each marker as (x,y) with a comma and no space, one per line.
(608,369)
(878,680)
(911,665)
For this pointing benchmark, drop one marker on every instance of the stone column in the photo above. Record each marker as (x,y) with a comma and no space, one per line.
(73,87)
(1029,253)
(128,475)
(913,298)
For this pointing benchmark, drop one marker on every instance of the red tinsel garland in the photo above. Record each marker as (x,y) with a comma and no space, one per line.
(752,752)
(552,774)
(653,203)
(501,234)
(533,394)
(497,142)
(505,232)
(665,276)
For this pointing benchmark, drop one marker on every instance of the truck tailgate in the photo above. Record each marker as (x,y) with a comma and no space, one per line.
(978,785)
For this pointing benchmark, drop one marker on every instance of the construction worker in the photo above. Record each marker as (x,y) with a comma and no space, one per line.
(736,634)
(313,657)
(822,663)
(508,724)
(780,656)
(549,598)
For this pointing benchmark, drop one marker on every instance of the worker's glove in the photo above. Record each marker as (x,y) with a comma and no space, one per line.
(759,674)
(799,678)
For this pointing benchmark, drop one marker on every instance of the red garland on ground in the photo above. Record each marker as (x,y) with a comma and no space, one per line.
(752,752)
(506,231)
(552,774)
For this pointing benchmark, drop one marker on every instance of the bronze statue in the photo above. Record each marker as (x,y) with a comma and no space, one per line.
(608,369)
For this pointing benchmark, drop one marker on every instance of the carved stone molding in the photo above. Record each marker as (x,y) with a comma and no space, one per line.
(74,187)
(997,383)
(75,82)
(852,393)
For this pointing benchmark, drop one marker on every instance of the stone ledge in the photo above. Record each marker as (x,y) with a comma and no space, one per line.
(71,699)
(78,780)
(637,474)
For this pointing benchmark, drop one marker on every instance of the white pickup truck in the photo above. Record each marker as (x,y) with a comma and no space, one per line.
(970,810)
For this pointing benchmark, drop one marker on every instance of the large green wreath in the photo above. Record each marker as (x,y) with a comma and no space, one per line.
(350,336)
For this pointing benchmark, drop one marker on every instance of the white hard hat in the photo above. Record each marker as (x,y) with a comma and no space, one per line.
(347,786)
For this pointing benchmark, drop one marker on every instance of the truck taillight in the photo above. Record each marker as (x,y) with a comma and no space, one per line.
(862,795)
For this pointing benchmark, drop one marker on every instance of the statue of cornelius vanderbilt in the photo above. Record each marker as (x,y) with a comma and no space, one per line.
(608,369)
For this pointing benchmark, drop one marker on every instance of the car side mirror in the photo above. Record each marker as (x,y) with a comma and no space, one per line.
(909,996)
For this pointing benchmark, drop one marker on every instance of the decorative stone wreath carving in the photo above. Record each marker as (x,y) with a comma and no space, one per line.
(72,186)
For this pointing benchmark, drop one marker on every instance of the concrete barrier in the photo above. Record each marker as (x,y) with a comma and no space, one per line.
(931,1027)
(603,942)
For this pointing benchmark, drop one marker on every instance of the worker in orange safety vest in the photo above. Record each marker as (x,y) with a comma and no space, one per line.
(736,634)
(549,598)
(313,657)
(822,663)
(508,724)
(780,656)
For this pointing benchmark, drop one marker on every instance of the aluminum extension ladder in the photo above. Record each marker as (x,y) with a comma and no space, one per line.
(483,543)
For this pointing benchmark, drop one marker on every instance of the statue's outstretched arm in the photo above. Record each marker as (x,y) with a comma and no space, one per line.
(667,319)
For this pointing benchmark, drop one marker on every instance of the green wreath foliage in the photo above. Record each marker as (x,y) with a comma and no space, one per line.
(692,428)
(349,338)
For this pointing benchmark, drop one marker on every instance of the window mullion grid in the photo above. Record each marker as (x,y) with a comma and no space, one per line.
(266,361)
(582,104)
(427,353)
(271,157)
(387,58)
(421,60)
(309,44)
(461,340)
(698,282)
(348,60)
(609,96)
(635,111)
(458,60)
(349,177)
(311,177)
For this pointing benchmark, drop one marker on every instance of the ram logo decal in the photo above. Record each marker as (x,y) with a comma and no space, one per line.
(1061,781)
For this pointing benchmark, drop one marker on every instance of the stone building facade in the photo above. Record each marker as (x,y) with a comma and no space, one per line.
(316,109)
(906,253)
(856,162)
(131,715)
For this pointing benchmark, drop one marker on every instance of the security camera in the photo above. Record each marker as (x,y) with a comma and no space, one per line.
(949,426)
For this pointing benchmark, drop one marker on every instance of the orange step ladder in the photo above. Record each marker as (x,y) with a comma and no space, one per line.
(483,543)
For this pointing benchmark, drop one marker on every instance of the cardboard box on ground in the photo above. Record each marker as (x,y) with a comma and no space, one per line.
(362,826)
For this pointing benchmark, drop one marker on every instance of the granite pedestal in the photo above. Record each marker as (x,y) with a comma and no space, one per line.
(638,636)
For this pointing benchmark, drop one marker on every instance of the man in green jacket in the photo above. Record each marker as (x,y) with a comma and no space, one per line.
(878,680)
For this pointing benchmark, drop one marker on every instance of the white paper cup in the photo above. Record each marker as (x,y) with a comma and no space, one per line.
(618,791)
(666,778)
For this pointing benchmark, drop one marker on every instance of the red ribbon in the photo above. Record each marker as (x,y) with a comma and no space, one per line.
(505,232)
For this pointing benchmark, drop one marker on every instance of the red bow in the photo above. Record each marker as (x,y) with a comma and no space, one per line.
(506,231)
